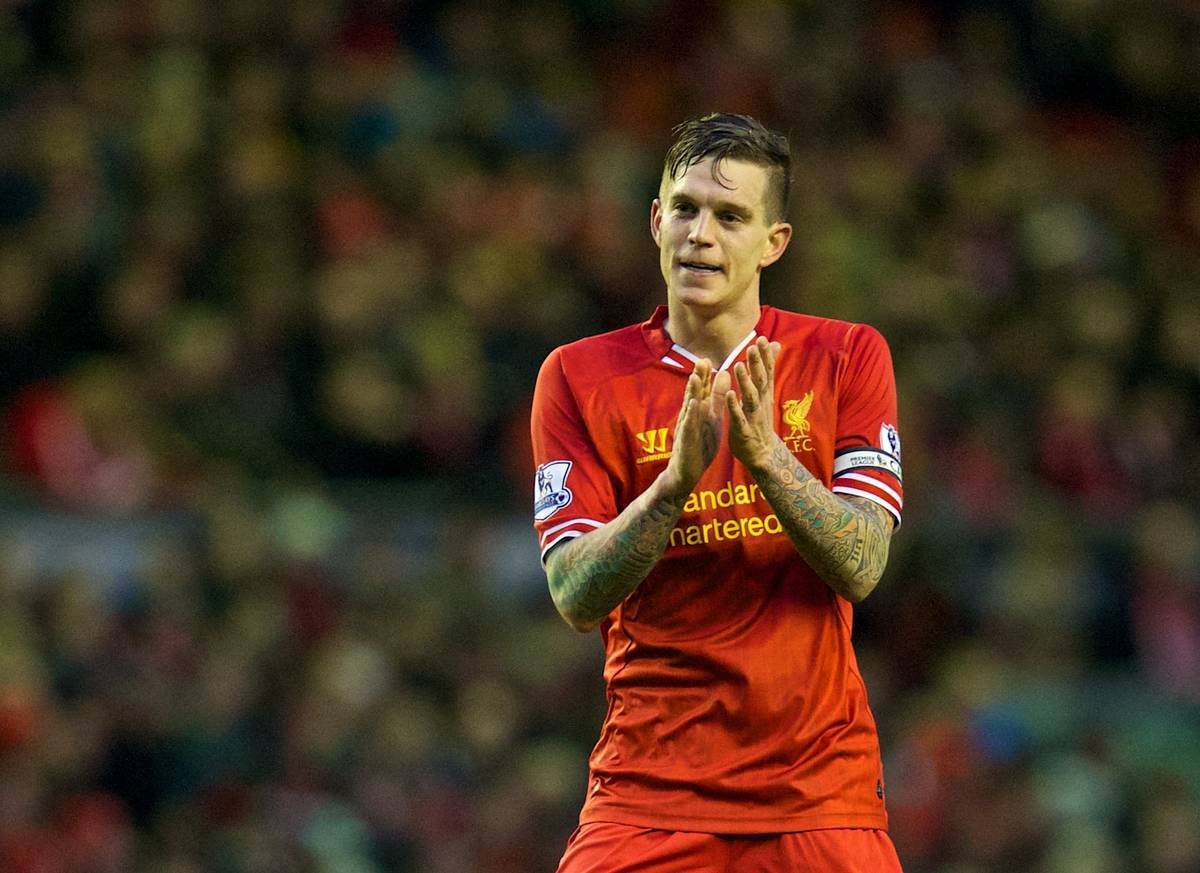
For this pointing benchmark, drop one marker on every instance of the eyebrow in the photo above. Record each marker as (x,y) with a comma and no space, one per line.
(718,206)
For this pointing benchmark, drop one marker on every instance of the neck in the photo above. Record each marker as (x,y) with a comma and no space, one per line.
(710,335)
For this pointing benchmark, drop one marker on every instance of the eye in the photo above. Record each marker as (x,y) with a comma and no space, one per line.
(730,217)
(685,208)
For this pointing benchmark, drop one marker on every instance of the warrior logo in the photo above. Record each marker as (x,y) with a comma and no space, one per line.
(550,491)
(654,445)
(795,414)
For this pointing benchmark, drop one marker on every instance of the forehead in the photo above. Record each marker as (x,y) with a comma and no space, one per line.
(735,181)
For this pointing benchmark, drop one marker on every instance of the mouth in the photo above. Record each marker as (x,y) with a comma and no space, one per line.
(700,267)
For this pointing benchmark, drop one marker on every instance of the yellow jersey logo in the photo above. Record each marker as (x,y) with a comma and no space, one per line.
(795,415)
(654,445)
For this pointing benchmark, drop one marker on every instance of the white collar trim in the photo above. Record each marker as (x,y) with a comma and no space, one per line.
(733,356)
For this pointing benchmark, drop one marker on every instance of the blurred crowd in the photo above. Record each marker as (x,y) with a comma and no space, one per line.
(275,281)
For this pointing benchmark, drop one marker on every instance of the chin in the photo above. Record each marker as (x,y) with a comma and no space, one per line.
(701,296)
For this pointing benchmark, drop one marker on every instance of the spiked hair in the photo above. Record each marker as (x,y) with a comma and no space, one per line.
(723,136)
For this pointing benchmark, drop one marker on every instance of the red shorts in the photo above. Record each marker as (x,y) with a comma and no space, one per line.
(603,847)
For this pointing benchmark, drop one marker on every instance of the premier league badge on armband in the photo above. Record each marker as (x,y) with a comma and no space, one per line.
(550,491)
(889,440)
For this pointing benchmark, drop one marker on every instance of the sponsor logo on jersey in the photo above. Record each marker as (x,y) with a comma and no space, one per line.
(550,491)
(653,444)
(889,439)
(795,415)
(717,530)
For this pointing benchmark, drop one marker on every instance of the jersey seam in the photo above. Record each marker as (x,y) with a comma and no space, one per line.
(818,821)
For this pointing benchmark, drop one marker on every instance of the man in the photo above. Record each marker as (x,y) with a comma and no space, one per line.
(716,487)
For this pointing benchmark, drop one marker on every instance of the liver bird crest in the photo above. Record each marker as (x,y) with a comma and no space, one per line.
(795,413)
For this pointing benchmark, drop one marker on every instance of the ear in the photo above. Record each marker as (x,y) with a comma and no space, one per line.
(656,221)
(778,238)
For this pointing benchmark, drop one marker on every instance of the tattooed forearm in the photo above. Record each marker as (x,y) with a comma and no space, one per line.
(591,574)
(844,539)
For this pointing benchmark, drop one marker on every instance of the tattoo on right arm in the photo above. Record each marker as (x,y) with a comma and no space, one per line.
(590,574)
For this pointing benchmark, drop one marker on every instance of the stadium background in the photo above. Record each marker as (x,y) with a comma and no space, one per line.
(275,281)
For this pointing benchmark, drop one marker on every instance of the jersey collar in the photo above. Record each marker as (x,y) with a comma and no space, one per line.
(675,356)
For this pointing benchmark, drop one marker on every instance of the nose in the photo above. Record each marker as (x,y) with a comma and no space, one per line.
(700,233)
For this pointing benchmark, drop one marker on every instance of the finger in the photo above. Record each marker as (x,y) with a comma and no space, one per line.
(722,383)
(684,409)
(689,390)
(750,395)
(758,366)
(770,356)
(703,372)
(736,414)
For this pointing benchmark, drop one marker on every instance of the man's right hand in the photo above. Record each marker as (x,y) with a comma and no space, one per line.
(590,574)
(698,430)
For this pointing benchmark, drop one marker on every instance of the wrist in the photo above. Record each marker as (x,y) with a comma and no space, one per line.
(761,461)
(670,487)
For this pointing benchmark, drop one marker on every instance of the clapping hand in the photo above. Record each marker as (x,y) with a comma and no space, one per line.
(698,428)
(752,435)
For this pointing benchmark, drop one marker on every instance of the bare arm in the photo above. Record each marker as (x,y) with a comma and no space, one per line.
(844,539)
(590,574)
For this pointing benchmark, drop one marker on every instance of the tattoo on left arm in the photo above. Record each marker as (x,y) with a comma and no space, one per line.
(845,539)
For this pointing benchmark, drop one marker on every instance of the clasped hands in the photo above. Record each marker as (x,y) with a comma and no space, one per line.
(706,400)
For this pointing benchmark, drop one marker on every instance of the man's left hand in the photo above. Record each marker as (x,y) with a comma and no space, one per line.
(752,435)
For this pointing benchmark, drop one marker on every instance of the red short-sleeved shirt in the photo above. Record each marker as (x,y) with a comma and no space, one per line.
(735,701)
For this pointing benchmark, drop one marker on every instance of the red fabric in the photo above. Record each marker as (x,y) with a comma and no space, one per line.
(735,701)
(604,847)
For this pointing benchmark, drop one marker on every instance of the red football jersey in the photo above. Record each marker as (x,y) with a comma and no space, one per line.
(735,704)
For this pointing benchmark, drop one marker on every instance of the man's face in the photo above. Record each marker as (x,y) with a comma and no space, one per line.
(714,238)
